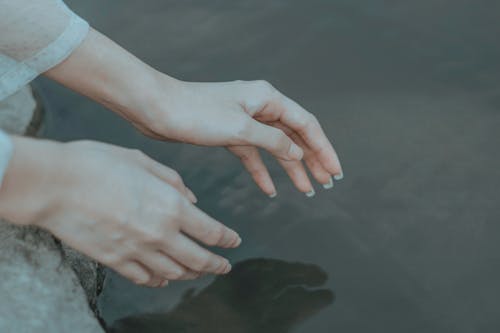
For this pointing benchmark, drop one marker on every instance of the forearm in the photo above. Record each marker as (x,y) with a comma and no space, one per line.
(110,75)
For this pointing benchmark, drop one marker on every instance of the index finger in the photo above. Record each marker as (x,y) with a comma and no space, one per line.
(307,126)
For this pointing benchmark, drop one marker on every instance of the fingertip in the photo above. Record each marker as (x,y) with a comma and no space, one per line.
(269,189)
(223,268)
(235,242)
(228,268)
(332,167)
(329,184)
(311,193)
(191,196)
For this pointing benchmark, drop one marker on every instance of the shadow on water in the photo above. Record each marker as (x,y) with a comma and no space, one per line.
(259,295)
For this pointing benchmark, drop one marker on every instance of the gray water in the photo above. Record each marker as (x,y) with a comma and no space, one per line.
(409,91)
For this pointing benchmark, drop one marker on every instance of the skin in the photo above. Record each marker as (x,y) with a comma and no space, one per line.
(131,213)
(115,205)
(240,115)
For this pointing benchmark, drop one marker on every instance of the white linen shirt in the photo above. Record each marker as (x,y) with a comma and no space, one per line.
(35,35)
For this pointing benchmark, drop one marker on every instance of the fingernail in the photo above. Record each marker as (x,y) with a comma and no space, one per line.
(295,152)
(164,283)
(339,176)
(238,242)
(310,194)
(226,267)
(273,195)
(328,185)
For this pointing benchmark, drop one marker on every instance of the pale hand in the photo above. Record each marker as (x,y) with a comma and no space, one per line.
(115,205)
(238,115)
(244,116)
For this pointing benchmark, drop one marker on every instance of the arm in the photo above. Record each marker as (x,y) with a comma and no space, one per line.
(36,35)
(242,116)
(115,205)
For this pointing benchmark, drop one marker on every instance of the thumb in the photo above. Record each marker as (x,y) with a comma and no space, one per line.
(274,141)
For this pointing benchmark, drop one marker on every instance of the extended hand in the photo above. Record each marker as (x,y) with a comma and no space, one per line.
(239,115)
(244,115)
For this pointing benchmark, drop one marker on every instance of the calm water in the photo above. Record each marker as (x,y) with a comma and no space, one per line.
(410,93)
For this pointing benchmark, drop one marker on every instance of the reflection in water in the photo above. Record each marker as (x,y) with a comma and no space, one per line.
(410,93)
(259,295)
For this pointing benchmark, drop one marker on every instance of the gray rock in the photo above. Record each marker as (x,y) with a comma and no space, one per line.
(17,110)
(89,273)
(40,291)
(45,286)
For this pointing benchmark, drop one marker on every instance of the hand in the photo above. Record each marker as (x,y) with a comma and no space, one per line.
(238,115)
(244,116)
(115,205)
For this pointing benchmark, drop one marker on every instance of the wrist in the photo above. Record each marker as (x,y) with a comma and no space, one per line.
(167,91)
(26,192)
(150,99)
(107,73)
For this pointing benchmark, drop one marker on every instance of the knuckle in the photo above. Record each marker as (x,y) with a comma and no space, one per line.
(177,207)
(307,121)
(152,236)
(304,120)
(172,211)
(264,87)
(258,94)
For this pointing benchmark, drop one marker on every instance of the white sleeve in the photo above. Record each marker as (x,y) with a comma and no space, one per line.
(35,35)
(5,153)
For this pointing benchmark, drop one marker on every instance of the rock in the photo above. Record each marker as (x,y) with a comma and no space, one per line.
(40,290)
(17,110)
(89,273)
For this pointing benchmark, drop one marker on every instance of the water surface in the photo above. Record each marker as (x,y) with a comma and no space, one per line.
(409,91)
